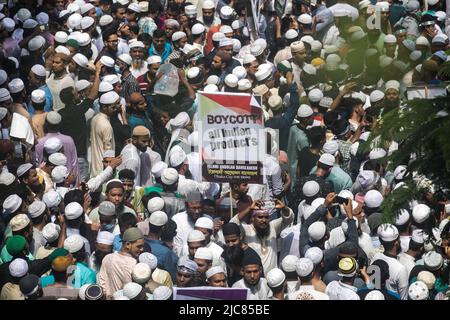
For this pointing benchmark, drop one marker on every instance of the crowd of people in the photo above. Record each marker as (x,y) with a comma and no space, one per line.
(101,182)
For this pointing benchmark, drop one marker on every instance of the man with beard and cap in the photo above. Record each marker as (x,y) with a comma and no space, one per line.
(304,268)
(253,280)
(138,64)
(82,274)
(27,175)
(263,235)
(216,277)
(168,179)
(73,120)
(391,96)
(330,171)
(103,247)
(59,79)
(186,220)
(206,226)
(208,16)
(36,80)
(74,217)
(53,235)
(167,259)
(298,138)
(179,40)
(117,267)
(398,274)
(187,273)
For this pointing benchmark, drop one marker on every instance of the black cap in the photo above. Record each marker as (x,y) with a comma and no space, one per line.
(94,292)
(29,284)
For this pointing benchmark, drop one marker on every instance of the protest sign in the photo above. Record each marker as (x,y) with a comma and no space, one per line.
(232,138)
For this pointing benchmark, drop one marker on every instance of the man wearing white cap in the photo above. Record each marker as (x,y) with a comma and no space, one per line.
(414,252)
(36,78)
(38,103)
(398,274)
(138,63)
(208,16)
(103,247)
(102,134)
(179,39)
(59,79)
(129,82)
(304,267)
(206,226)
(216,277)
(327,169)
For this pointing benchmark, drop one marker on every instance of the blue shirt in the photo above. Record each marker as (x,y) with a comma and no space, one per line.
(135,120)
(83,275)
(167,259)
(48,101)
(117,243)
(167,51)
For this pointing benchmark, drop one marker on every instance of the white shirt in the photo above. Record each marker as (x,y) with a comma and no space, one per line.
(307,292)
(404,242)
(195,165)
(337,290)
(72,231)
(131,160)
(267,248)
(184,227)
(139,72)
(398,275)
(292,286)
(408,261)
(261,291)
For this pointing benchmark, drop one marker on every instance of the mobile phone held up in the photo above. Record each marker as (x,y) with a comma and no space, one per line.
(340,200)
(269,205)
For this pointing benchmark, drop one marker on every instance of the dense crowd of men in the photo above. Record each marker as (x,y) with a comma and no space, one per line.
(101,183)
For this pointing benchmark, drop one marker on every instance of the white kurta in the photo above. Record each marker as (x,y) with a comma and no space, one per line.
(259,292)
(102,139)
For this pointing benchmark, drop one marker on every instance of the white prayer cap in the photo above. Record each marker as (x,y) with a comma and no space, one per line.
(310,189)
(203,253)
(18,268)
(392,84)
(74,243)
(16,85)
(143,6)
(8,24)
(195,236)
(11,204)
(163,292)
(289,263)
(399,172)
(152,59)
(38,96)
(19,222)
(315,254)
(80,60)
(363,4)
(109,98)
(74,7)
(3,113)
(428,278)
(155,204)
(178,35)
(7,178)
(105,237)
(58,159)
(213,79)
(275,102)
(36,208)
(204,222)
(422,41)
(213,271)
(74,21)
(4,94)
(208,4)
(53,145)
(23,14)
(421,212)
(54,118)
(237,24)
(107,208)
(417,236)
(62,49)
(308,211)
(440,38)
(231,81)
(149,259)
(291,34)
(374,295)
(80,85)
(263,73)
(51,232)
(240,72)
(23,168)
(226,13)
(331,147)
(59,174)
(317,230)
(107,61)
(315,95)
(125,58)
(390,38)
(376,96)
(30,24)
(211,88)
(310,69)
(244,85)
(304,111)
(134,7)
(86,23)
(305,18)
(73,211)
(136,44)
(63,14)
(158,168)
(315,204)
(316,46)
(327,159)
(418,291)
(304,267)
(3,77)
(177,157)
(433,260)
(141,273)
(256,50)
(402,218)
(158,218)
(387,232)
(373,199)
(225,42)
(131,290)
(248,58)
(105,87)
(51,199)
(105,20)
(225,29)
(86,7)
(377,153)
(169,176)
(275,278)
(111,78)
